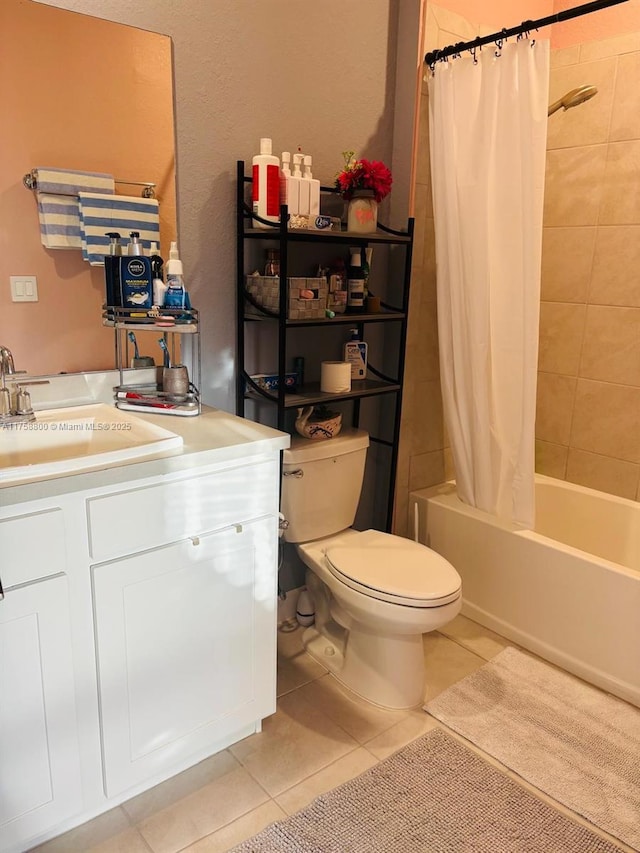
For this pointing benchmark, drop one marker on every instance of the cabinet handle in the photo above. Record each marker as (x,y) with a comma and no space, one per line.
(1,590)
(238,528)
(195,540)
(297,473)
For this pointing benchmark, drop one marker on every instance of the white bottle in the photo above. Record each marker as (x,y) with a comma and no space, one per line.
(303,186)
(290,193)
(175,294)
(265,195)
(355,352)
(314,187)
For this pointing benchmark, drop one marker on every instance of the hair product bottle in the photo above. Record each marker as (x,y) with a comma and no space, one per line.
(265,193)
(355,283)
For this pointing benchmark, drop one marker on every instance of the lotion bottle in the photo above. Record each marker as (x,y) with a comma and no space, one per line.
(314,187)
(265,193)
(290,193)
(135,275)
(303,186)
(355,352)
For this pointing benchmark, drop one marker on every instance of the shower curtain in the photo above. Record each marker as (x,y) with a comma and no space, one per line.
(488,123)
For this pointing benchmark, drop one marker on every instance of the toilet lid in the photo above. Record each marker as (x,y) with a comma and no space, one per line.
(394,569)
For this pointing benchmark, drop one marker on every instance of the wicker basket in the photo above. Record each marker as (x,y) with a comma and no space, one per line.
(266,291)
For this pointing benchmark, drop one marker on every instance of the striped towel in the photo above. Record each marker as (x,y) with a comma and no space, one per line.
(58,211)
(101,212)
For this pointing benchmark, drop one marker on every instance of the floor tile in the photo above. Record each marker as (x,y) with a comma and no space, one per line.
(330,777)
(244,827)
(295,666)
(129,841)
(360,719)
(294,743)
(416,723)
(211,807)
(88,835)
(446,663)
(178,787)
(474,637)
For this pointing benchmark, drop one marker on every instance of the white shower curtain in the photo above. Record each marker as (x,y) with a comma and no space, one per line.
(488,123)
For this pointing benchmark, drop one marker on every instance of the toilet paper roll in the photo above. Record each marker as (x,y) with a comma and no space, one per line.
(335,377)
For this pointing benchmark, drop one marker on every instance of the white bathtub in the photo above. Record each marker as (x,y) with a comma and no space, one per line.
(568,591)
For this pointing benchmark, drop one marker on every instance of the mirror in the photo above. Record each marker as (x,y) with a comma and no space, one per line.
(77,93)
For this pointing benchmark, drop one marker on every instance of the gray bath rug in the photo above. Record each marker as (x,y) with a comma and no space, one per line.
(573,742)
(433,796)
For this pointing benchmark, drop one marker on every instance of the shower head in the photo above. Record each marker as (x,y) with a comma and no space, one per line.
(573,98)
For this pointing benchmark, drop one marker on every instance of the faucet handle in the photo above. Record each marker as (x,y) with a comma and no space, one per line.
(23,402)
(5,403)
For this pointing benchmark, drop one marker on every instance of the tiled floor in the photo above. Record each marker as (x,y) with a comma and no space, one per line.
(319,737)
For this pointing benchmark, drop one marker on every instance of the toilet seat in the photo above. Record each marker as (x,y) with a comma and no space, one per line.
(391,568)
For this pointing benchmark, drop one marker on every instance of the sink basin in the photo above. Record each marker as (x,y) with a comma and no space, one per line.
(63,441)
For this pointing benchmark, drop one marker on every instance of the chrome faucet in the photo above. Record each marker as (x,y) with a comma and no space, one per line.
(22,411)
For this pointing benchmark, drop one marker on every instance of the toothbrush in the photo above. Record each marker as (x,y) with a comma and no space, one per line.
(163,347)
(132,338)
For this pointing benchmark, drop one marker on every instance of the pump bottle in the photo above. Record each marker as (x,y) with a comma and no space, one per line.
(314,187)
(135,275)
(265,192)
(303,186)
(112,270)
(290,194)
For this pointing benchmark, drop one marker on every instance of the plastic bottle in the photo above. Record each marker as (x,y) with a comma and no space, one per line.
(355,283)
(112,270)
(157,264)
(290,193)
(302,185)
(265,194)
(176,295)
(314,187)
(355,352)
(135,275)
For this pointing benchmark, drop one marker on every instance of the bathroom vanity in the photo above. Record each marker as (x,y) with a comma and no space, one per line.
(138,625)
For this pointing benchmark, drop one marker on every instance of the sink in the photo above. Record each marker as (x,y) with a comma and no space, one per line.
(63,441)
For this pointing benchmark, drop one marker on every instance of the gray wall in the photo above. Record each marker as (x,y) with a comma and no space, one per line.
(320,75)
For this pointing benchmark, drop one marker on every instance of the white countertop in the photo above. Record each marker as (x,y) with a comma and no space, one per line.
(209,438)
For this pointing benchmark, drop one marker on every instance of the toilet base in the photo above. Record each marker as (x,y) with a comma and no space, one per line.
(386,671)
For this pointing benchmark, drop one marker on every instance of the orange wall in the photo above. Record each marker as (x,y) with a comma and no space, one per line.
(78,93)
(604,24)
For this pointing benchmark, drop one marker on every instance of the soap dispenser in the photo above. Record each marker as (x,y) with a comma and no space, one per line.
(314,187)
(135,275)
(290,194)
(112,270)
(302,185)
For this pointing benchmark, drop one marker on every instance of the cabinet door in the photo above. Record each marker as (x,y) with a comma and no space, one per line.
(39,764)
(185,647)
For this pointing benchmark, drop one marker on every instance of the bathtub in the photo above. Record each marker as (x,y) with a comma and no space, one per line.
(568,591)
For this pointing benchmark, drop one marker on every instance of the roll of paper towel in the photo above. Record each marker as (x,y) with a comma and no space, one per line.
(335,377)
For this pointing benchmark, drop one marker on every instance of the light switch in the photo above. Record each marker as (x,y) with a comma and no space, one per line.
(24,288)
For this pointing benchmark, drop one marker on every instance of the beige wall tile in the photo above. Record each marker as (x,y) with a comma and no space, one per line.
(551,459)
(561,331)
(620,203)
(554,407)
(427,469)
(422,342)
(422,412)
(565,56)
(609,47)
(606,420)
(587,123)
(625,117)
(573,185)
(611,350)
(422,230)
(616,261)
(603,473)
(567,255)
(449,467)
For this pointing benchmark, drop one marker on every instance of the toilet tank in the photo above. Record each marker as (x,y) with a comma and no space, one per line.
(321,484)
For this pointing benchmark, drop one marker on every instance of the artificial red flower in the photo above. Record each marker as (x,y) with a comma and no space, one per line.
(363,175)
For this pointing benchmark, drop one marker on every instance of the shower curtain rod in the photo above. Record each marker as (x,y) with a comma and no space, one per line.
(525,27)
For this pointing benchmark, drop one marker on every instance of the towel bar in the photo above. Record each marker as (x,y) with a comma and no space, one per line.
(31,183)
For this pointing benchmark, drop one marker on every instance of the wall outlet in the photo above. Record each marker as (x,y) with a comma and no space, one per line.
(24,288)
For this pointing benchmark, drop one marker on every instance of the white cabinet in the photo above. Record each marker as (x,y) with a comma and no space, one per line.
(39,764)
(185,638)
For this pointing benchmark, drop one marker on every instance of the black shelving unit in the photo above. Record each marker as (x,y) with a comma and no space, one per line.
(377,382)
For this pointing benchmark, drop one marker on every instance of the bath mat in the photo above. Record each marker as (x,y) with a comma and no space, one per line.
(433,795)
(573,742)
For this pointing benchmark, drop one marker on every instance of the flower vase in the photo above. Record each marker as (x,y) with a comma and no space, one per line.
(362,213)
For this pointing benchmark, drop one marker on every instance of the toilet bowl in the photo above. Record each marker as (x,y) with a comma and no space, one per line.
(375,593)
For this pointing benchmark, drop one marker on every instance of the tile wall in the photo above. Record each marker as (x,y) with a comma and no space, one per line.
(588,415)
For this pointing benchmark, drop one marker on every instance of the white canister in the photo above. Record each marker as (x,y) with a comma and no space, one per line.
(335,377)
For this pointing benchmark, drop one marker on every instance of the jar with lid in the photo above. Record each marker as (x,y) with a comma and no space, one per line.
(272,266)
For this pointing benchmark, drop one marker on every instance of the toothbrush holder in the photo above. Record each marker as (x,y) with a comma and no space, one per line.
(175,382)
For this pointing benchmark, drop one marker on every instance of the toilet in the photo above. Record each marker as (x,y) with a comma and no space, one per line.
(375,593)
